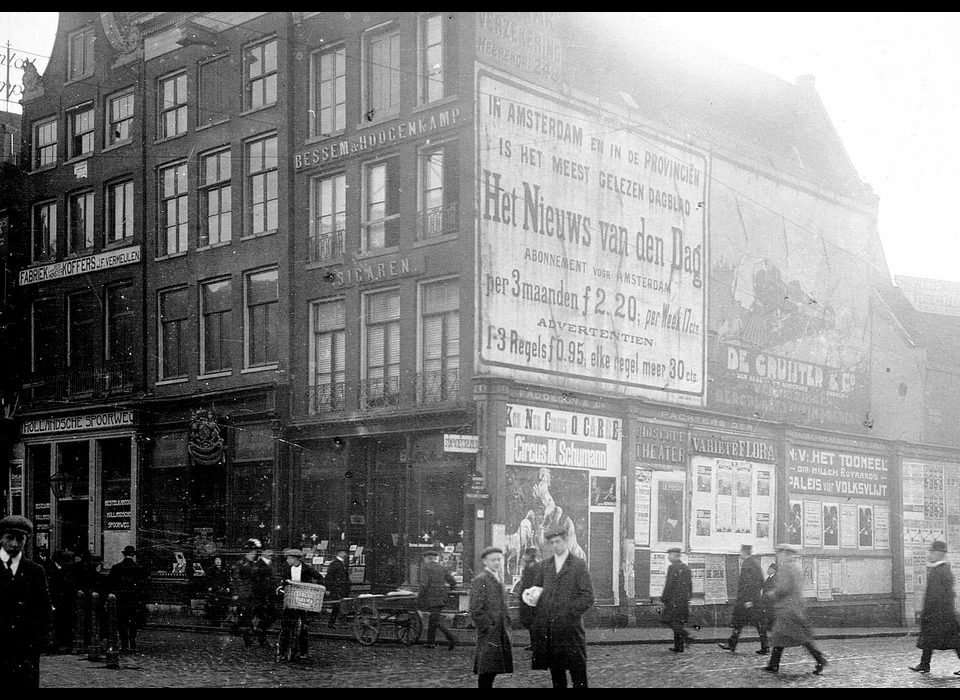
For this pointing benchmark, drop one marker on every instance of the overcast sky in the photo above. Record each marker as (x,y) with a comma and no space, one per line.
(890,82)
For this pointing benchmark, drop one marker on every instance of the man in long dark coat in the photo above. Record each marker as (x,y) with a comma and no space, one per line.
(939,627)
(791,628)
(125,581)
(748,608)
(527,612)
(559,640)
(489,610)
(676,599)
(25,610)
(338,581)
(766,600)
(253,584)
(435,585)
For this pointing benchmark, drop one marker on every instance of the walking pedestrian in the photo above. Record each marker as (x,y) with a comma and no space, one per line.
(253,583)
(939,627)
(125,581)
(64,615)
(676,599)
(295,570)
(766,601)
(748,608)
(338,581)
(218,591)
(489,610)
(434,583)
(527,576)
(25,610)
(565,594)
(791,628)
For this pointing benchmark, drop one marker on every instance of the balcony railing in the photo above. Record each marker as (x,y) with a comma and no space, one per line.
(112,379)
(438,221)
(326,245)
(326,398)
(438,386)
(380,393)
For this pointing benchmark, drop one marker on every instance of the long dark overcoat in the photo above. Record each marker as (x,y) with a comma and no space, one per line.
(939,628)
(489,610)
(126,580)
(791,628)
(338,580)
(558,638)
(25,623)
(527,612)
(676,595)
(749,590)
(435,585)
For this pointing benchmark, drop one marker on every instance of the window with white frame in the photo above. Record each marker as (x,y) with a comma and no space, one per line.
(80,122)
(438,190)
(440,341)
(328,356)
(173,346)
(119,118)
(328,211)
(119,211)
(261,301)
(80,222)
(216,303)
(45,143)
(44,231)
(328,115)
(381,72)
(260,75)
(174,216)
(382,340)
(216,197)
(381,212)
(261,196)
(437,56)
(172,99)
(80,54)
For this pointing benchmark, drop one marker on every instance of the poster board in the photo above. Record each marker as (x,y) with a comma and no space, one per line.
(715,579)
(732,504)
(668,508)
(641,518)
(658,573)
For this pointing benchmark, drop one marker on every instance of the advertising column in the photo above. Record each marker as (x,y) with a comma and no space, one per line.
(563,470)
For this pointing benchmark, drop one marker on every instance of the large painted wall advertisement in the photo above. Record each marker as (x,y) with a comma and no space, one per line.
(592,249)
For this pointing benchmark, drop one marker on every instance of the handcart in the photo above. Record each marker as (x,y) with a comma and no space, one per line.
(397,608)
(298,595)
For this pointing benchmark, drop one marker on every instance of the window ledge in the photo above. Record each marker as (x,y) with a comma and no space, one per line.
(118,243)
(166,139)
(378,121)
(326,262)
(79,78)
(366,255)
(74,254)
(170,256)
(264,368)
(436,103)
(215,375)
(45,168)
(323,137)
(78,159)
(168,382)
(254,110)
(250,236)
(211,246)
(208,125)
(114,146)
(41,263)
(433,240)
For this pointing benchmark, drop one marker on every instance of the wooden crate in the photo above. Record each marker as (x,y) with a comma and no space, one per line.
(303,596)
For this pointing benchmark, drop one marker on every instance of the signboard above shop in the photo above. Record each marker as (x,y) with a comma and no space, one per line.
(67,424)
(840,473)
(80,266)
(455,442)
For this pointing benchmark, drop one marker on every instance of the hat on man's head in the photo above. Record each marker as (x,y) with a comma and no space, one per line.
(555,532)
(342,547)
(129,551)
(938,546)
(432,552)
(490,550)
(252,543)
(16,524)
(786,548)
(293,553)
(746,548)
(674,549)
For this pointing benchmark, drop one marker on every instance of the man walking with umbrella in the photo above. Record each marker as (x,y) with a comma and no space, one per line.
(748,608)
(939,627)
(676,599)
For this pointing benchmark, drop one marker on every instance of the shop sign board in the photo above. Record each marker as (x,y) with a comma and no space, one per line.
(80,266)
(815,470)
(66,424)
(545,437)
(592,247)
(454,442)
(661,444)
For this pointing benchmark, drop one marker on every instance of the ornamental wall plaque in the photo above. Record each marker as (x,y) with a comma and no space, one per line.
(205,443)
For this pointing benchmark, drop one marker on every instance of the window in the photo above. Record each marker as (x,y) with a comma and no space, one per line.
(119,211)
(381,62)
(44,231)
(80,54)
(45,336)
(214,103)
(438,188)
(262,185)
(216,198)
(216,301)
(173,106)
(80,225)
(119,118)
(328,217)
(82,323)
(174,311)
(438,69)
(260,75)
(80,122)
(328,356)
(120,327)
(329,92)
(382,319)
(440,341)
(173,210)
(45,143)
(261,298)
(381,187)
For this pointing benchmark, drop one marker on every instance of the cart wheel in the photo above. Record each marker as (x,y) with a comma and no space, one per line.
(366,626)
(408,627)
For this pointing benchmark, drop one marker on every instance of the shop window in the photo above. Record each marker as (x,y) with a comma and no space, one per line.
(261,196)
(173,345)
(80,223)
(119,211)
(328,216)
(251,498)
(381,212)
(216,302)
(381,66)
(173,213)
(44,231)
(216,198)
(328,356)
(164,501)
(172,98)
(381,385)
(80,121)
(261,301)
(438,190)
(45,143)
(437,51)
(38,463)
(119,118)
(215,93)
(80,54)
(329,71)
(260,75)
(439,378)
(116,498)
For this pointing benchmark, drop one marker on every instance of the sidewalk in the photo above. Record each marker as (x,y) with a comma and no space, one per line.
(595,635)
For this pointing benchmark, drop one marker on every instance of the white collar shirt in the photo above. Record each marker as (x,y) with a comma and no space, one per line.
(495,574)
(5,557)
(295,572)
(559,559)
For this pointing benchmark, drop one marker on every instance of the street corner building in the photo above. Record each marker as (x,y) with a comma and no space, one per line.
(444,279)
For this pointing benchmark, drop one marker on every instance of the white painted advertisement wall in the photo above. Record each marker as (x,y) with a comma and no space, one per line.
(592,248)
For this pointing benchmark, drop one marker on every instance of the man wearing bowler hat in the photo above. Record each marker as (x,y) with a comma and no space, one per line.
(124,581)
(338,581)
(566,594)
(295,570)
(434,583)
(747,609)
(25,610)
(676,599)
(939,628)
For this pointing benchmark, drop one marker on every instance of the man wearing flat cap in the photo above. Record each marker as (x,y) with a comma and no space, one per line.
(25,610)
(125,581)
(676,599)
(939,627)
(295,569)
(435,582)
(489,611)
(558,639)
(748,607)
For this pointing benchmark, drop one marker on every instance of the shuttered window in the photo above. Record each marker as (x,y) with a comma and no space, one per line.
(440,342)
(174,312)
(383,343)
(382,209)
(329,355)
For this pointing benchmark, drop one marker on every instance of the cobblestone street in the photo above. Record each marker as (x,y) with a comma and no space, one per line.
(170,659)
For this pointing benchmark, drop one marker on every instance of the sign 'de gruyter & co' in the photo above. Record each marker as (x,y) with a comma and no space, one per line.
(837,473)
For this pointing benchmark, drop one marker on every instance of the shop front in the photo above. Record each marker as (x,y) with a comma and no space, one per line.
(79,481)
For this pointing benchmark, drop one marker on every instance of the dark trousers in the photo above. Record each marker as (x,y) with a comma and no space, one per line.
(127,625)
(485,680)
(735,635)
(559,677)
(254,617)
(435,623)
(927,656)
(334,614)
(680,635)
(288,625)
(812,650)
